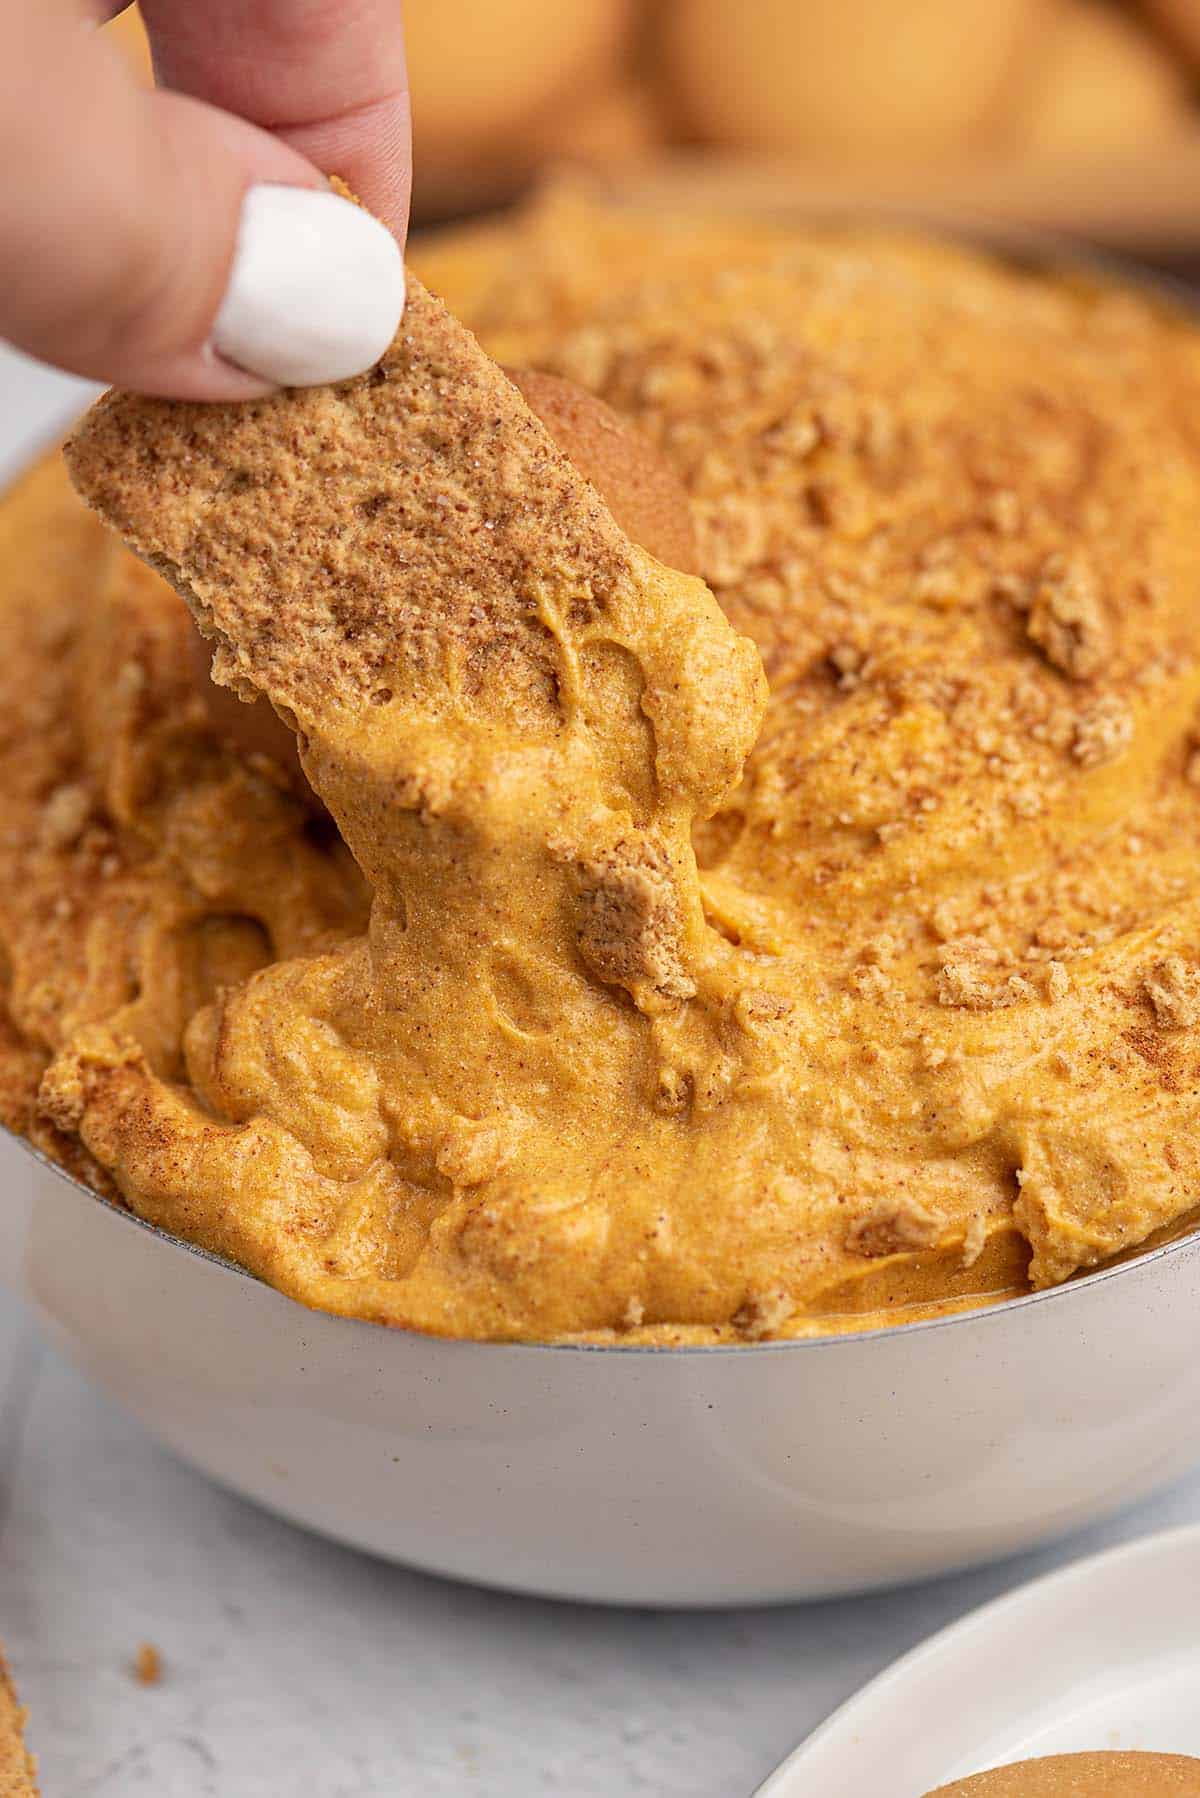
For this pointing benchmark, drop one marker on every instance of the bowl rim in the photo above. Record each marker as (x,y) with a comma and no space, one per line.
(980,1314)
(1028,251)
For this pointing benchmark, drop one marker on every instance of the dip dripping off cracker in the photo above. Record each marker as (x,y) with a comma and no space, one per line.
(514,716)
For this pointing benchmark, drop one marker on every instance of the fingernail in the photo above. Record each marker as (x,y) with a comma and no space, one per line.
(317,288)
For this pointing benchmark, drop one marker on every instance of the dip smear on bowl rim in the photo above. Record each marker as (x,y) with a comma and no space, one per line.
(941,1037)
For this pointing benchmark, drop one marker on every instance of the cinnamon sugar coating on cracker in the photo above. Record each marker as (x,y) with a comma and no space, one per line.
(344,546)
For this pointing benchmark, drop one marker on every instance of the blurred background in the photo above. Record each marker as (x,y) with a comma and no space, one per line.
(1073,115)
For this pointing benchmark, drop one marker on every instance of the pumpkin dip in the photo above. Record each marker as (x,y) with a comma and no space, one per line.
(587,1006)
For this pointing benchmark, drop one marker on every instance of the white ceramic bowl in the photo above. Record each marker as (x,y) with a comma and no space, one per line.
(644,1476)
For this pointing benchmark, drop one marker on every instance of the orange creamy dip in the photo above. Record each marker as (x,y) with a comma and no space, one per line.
(920,1027)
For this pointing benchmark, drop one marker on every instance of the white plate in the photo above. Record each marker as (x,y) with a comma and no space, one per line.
(1104,1654)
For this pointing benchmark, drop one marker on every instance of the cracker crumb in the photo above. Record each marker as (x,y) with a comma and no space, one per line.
(848,662)
(65,815)
(733,538)
(971,978)
(1103,733)
(1067,620)
(1027,802)
(1058,981)
(1173,989)
(1003,512)
(974,1239)
(763,1314)
(937,586)
(147,1666)
(870,982)
(630,930)
(893,1226)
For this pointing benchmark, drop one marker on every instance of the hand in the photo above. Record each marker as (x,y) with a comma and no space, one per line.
(184,241)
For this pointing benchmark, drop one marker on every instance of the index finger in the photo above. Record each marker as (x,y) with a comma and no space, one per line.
(327,76)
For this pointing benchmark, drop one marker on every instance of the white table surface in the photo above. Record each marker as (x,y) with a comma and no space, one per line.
(296,1669)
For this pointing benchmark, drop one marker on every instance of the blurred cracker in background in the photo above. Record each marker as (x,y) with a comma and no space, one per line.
(496,81)
(1179,20)
(848,79)
(1098,81)
(1076,115)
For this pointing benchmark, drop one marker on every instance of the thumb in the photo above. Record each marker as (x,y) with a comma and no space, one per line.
(160,244)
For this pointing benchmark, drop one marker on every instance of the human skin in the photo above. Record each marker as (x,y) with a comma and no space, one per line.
(119,221)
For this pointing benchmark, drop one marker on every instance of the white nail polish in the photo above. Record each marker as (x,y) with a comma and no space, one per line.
(317,288)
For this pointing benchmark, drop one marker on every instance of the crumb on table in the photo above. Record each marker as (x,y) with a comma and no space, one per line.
(147,1665)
